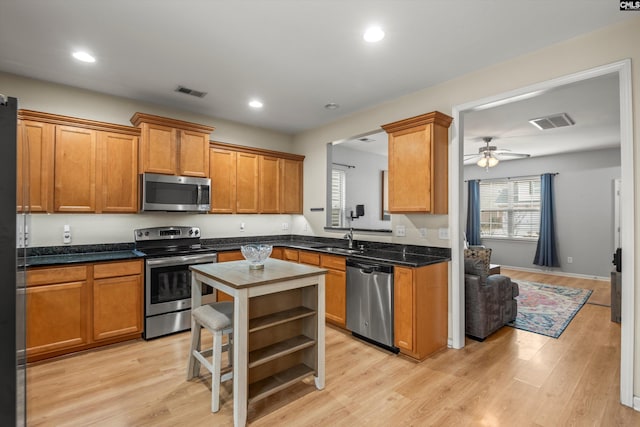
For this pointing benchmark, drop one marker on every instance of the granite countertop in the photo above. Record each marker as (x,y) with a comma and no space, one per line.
(406,255)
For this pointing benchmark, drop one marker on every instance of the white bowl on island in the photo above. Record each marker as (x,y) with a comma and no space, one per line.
(256,254)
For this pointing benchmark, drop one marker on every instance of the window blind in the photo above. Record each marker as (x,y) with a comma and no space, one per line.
(510,208)
(338,185)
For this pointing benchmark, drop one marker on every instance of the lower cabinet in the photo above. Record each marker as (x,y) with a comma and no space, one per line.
(335,289)
(420,309)
(82,306)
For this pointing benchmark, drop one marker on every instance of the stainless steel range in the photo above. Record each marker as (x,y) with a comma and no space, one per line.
(169,253)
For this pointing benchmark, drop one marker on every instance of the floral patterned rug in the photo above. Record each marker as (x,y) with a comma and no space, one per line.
(547,309)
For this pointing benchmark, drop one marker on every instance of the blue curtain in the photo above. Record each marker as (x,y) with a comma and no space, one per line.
(473,213)
(546,253)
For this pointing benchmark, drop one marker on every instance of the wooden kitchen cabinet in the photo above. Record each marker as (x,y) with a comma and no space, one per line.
(249,180)
(269,184)
(117,299)
(247,189)
(172,147)
(57,311)
(418,164)
(76,165)
(75,169)
(118,178)
(73,308)
(420,309)
(291,182)
(222,170)
(335,289)
(35,166)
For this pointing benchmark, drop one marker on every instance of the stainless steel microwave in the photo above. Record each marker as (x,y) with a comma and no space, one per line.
(175,193)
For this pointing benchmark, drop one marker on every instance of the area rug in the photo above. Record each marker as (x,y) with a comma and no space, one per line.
(547,309)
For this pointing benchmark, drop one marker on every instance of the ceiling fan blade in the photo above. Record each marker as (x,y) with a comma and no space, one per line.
(471,160)
(510,155)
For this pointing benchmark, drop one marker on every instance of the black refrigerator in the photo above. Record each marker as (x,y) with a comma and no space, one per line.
(12,304)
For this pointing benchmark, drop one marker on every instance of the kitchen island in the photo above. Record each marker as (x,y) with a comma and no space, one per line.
(278,325)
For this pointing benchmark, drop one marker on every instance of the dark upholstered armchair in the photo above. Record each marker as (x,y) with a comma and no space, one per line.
(489,299)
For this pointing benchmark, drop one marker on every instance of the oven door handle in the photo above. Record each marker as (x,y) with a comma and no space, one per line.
(182,260)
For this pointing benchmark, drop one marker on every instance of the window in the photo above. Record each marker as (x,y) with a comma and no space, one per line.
(338,185)
(510,208)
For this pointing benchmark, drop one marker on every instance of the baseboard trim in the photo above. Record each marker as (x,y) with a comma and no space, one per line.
(557,273)
(636,403)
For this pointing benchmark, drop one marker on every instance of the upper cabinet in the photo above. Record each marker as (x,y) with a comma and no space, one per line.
(67,164)
(253,180)
(418,164)
(172,147)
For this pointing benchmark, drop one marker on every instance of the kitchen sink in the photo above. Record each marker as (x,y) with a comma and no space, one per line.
(344,251)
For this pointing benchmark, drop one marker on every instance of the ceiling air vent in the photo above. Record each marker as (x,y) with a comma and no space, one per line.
(191,92)
(553,121)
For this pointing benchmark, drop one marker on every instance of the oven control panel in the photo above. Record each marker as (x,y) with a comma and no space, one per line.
(165,233)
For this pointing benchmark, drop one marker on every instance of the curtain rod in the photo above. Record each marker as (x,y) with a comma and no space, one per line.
(345,165)
(513,177)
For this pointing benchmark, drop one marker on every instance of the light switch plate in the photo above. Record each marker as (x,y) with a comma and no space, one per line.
(443,233)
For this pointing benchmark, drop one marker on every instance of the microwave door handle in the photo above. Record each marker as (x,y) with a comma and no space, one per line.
(199,201)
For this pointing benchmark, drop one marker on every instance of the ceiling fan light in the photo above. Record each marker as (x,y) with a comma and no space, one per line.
(492,161)
(483,162)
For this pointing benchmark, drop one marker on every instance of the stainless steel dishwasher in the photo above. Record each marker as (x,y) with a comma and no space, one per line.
(370,302)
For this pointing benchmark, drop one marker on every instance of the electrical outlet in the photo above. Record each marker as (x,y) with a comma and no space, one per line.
(423,232)
(443,233)
(285,226)
(66,234)
(400,231)
(570,260)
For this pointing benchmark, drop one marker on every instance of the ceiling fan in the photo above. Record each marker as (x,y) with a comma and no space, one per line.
(489,155)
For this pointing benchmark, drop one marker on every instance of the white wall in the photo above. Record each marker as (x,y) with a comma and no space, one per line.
(584,210)
(364,185)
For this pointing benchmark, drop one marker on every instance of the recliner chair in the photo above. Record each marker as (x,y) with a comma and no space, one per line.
(489,299)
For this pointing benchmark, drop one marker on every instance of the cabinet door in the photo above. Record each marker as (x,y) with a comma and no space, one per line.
(117,306)
(158,149)
(403,306)
(410,170)
(75,169)
(336,297)
(247,183)
(118,159)
(35,166)
(309,258)
(290,254)
(291,186)
(57,317)
(222,170)
(194,154)
(269,184)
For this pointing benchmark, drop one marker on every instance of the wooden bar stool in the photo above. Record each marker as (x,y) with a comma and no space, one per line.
(218,319)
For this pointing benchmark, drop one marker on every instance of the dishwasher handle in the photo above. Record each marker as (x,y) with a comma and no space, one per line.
(370,267)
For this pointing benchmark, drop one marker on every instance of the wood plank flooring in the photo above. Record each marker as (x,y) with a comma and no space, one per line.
(513,378)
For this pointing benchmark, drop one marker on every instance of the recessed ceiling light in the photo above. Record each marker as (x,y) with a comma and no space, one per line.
(331,106)
(255,104)
(373,34)
(83,56)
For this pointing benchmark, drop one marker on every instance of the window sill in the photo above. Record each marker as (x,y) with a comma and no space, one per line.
(509,239)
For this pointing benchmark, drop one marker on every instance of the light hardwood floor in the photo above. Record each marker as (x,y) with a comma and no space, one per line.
(513,378)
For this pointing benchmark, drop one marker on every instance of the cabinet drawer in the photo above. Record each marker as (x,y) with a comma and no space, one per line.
(49,276)
(310,258)
(290,254)
(116,269)
(230,256)
(333,262)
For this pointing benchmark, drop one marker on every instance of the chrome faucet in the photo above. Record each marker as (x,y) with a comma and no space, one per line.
(349,236)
